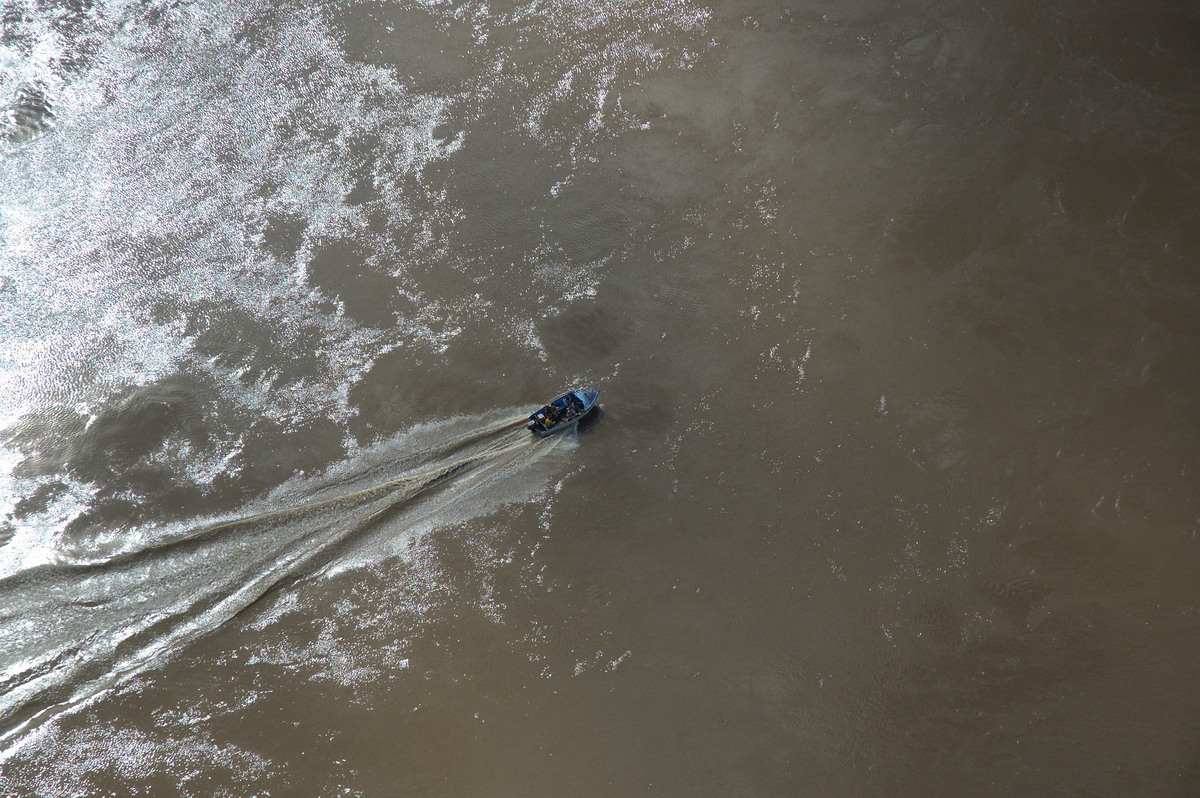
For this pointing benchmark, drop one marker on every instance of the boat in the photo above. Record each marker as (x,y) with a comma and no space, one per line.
(562,412)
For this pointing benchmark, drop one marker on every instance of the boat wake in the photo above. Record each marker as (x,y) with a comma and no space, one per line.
(72,629)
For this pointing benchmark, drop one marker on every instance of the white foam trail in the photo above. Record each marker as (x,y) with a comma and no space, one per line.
(71,630)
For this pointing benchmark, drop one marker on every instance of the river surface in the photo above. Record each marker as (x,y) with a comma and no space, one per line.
(895,313)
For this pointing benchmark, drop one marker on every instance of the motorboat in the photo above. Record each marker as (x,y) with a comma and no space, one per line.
(562,412)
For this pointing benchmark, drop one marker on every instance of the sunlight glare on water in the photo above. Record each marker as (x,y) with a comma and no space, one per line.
(891,489)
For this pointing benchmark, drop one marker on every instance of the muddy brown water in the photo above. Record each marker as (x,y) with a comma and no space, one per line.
(894,313)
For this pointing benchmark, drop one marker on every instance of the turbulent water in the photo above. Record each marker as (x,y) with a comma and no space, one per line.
(81,624)
(895,314)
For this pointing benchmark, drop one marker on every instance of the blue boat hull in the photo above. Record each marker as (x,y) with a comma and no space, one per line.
(563,412)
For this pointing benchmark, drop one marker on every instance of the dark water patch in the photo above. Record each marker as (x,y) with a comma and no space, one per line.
(381,395)
(283,233)
(360,149)
(1099,184)
(938,233)
(346,270)
(588,219)
(429,51)
(1019,597)
(139,424)
(584,333)
(1151,48)
(170,449)
(235,339)
(403,385)
(1163,206)
(1134,193)
(37,501)
(271,456)
(27,116)
(135,424)
(502,179)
